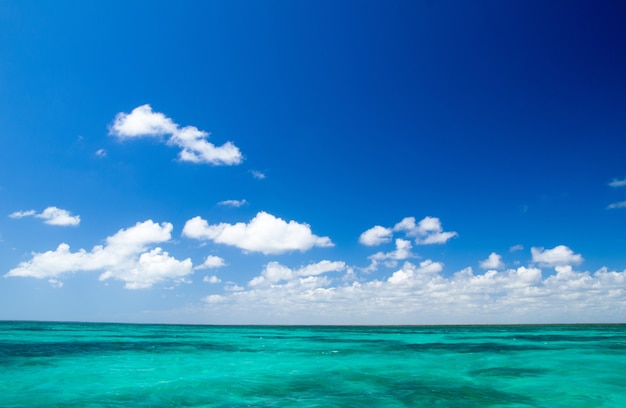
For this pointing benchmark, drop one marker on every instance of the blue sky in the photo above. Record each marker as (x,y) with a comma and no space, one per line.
(314,162)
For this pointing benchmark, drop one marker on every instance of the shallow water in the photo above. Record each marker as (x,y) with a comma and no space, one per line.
(109,365)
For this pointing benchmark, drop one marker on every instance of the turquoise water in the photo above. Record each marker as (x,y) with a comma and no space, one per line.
(113,365)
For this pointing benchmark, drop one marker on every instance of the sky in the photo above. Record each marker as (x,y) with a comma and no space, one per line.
(313,162)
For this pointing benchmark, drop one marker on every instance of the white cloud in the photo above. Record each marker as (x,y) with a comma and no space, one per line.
(402,251)
(375,236)
(51,216)
(125,257)
(620,204)
(58,216)
(233,288)
(151,267)
(427,231)
(257,174)
(143,122)
(197,149)
(421,294)
(22,214)
(494,261)
(618,183)
(557,256)
(275,272)
(233,203)
(516,248)
(55,283)
(410,272)
(212,261)
(264,233)
(101,153)
(211,279)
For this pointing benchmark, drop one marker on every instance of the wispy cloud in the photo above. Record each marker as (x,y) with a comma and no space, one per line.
(22,214)
(233,203)
(620,204)
(51,216)
(264,233)
(143,122)
(257,174)
(618,183)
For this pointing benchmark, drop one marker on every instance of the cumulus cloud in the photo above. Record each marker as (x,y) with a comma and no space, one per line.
(143,122)
(427,231)
(212,261)
(402,251)
(494,261)
(211,279)
(257,174)
(560,255)
(125,256)
(51,216)
(274,272)
(422,294)
(376,235)
(233,203)
(101,153)
(264,233)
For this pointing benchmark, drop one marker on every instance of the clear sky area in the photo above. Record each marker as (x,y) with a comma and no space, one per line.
(313,162)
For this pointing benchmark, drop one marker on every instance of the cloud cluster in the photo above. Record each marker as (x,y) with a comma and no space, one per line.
(264,233)
(427,231)
(420,293)
(143,122)
(274,272)
(125,256)
(332,292)
(390,259)
(51,216)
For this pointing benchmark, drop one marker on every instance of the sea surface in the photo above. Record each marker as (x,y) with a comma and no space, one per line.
(120,365)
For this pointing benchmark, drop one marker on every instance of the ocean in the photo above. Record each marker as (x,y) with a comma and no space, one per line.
(44,364)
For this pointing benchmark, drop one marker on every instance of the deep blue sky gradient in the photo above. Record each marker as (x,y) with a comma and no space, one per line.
(504,119)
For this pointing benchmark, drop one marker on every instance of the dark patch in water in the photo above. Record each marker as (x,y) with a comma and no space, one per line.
(475,347)
(512,372)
